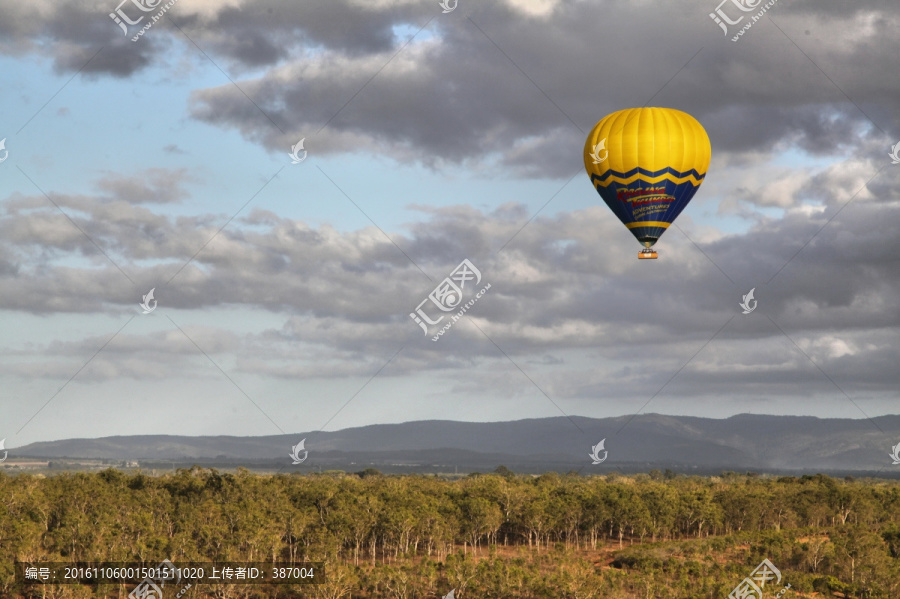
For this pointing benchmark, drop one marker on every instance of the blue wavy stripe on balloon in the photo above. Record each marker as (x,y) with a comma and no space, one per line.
(680,194)
(638,170)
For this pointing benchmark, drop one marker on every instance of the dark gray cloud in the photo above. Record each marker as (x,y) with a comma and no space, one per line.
(527,89)
(505,85)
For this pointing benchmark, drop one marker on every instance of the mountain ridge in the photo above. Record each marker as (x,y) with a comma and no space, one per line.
(742,441)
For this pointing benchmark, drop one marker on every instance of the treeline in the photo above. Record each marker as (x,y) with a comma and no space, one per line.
(419,536)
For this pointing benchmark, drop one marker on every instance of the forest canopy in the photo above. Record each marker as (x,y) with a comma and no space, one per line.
(492,535)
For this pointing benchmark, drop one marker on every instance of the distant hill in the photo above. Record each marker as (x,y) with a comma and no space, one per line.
(743,442)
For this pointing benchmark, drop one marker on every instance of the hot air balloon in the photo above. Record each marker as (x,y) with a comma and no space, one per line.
(647,164)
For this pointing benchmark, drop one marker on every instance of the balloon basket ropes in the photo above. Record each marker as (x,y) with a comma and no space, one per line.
(647,254)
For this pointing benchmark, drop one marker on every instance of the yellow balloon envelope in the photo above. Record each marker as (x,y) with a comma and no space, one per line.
(647,164)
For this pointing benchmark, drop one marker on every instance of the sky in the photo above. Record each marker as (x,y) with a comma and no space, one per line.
(284,285)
